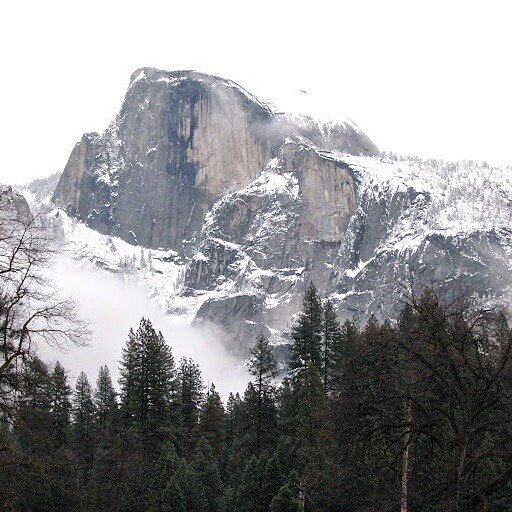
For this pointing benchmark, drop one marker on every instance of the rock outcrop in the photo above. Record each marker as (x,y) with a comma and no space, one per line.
(249,205)
(241,316)
(13,206)
(181,141)
(286,224)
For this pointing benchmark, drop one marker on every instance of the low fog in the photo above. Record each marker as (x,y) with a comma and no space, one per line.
(111,306)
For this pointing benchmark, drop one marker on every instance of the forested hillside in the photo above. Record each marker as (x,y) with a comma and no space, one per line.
(414,415)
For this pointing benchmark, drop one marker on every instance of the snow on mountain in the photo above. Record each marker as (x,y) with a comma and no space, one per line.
(159,272)
(406,211)
(463,197)
(224,208)
(441,224)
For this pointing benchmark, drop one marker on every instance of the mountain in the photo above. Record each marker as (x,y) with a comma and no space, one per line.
(13,206)
(226,208)
(40,191)
(181,142)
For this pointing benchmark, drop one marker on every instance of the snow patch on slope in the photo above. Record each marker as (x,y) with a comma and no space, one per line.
(453,199)
(160,272)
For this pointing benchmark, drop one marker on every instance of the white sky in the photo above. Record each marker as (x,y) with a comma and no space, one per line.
(429,78)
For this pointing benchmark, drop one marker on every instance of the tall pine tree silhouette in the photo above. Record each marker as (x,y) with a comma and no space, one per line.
(60,406)
(105,401)
(306,349)
(212,423)
(263,367)
(330,340)
(190,396)
(83,425)
(147,379)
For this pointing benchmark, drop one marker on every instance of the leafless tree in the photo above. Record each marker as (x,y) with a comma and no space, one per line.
(454,384)
(30,310)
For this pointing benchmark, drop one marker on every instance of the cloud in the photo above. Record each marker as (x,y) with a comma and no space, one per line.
(112,306)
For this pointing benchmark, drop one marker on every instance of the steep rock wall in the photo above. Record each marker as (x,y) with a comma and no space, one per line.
(269,238)
(303,201)
(181,141)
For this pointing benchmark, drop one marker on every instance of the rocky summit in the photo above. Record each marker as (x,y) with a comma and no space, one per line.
(181,142)
(239,206)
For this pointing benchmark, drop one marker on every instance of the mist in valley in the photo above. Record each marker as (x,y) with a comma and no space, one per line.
(111,306)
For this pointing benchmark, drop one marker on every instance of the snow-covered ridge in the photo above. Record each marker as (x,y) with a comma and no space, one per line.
(453,198)
(454,219)
(325,125)
(159,272)
(435,223)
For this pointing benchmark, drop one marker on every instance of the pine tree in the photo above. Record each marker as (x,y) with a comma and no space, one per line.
(261,479)
(249,495)
(172,466)
(35,390)
(312,416)
(22,488)
(331,338)
(248,422)
(312,435)
(104,478)
(235,455)
(147,379)
(345,346)
(105,401)
(366,405)
(263,367)
(83,425)
(83,410)
(130,380)
(207,477)
(34,426)
(233,411)
(306,349)
(287,411)
(48,477)
(273,478)
(190,396)
(347,380)
(212,423)
(60,407)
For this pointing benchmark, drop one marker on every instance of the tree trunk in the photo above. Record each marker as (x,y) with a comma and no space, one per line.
(458,459)
(302,495)
(405,463)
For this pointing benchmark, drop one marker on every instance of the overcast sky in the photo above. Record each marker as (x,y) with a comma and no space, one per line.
(429,78)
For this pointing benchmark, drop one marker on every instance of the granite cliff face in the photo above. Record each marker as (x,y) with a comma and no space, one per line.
(242,206)
(423,224)
(181,141)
